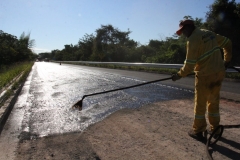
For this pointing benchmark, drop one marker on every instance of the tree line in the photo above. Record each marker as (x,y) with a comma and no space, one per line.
(14,50)
(109,44)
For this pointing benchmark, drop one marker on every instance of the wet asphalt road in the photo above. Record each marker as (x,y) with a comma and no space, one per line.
(44,105)
(54,88)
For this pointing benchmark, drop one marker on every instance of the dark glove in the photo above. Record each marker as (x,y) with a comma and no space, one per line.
(176,77)
(226,64)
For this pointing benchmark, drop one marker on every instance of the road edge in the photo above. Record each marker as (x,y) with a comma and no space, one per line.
(10,102)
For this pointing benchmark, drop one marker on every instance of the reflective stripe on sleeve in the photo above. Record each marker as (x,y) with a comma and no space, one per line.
(205,55)
(224,42)
(190,61)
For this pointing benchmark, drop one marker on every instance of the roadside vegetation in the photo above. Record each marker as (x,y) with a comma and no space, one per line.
(109,44)
(11,72)
(233,75)
(12,77)
(16,61)
(14,50)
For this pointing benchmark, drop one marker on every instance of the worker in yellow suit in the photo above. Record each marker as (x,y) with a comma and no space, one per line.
(205,59)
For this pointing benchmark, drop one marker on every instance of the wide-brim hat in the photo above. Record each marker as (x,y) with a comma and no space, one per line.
(182,24)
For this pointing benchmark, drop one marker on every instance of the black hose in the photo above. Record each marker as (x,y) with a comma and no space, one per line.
(213,136)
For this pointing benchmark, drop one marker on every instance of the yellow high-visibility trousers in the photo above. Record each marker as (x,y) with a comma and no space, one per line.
(207,96)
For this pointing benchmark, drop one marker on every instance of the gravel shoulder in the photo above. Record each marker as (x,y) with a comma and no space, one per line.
(154,131)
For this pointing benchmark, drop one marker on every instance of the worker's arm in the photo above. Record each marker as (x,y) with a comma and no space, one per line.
(226,45)
(191,59)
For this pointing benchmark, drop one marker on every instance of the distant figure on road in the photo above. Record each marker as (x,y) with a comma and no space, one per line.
(205,59)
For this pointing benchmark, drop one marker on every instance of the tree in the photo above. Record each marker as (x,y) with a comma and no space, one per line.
(58,55)
(237,10)
(8,45)
(14,50)
(85,47)
(24,47)
(42,56)
(131,43)
(223,18)
(155,43)
(108,40)
(69,52)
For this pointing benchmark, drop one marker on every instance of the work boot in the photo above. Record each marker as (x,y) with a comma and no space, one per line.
(197,136)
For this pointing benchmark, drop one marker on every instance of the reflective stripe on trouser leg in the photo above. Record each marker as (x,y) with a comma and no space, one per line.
(214,120)
(207,90)
(213,110)
(213,99)
(199,124)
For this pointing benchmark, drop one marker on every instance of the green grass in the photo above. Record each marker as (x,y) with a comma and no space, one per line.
(8,73)
(7,94)
(12,72)
(233,75)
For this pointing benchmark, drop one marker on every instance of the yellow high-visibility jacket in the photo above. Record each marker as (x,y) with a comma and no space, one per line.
(204,53)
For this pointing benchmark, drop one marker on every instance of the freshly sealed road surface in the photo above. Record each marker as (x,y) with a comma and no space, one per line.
(44,108)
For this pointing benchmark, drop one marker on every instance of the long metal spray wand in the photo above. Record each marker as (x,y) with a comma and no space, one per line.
(79,103)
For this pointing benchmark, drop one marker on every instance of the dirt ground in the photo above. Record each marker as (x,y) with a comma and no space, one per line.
(155,131)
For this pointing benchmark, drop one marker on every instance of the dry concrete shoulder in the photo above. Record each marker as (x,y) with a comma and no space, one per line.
(154,131)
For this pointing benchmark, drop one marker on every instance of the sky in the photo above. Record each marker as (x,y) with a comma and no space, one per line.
(55,23)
